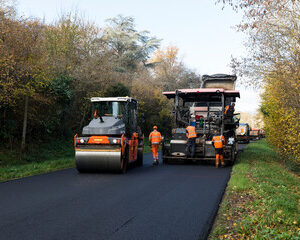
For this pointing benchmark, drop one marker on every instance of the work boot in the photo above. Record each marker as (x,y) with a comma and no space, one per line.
(217,165)
(222,164)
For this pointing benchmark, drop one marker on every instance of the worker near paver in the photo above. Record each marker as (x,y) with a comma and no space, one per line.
(154,140)
(218,142)
(191,136)
(229,110)
(226,109)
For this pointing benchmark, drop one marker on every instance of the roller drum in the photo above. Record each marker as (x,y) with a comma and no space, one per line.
(91,161)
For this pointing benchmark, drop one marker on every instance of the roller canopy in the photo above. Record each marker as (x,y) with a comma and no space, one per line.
(113,99)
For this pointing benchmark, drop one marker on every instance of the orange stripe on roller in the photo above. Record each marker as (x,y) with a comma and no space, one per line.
(98,140)
(98,150)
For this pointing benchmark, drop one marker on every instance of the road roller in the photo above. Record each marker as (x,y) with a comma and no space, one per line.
(112,140)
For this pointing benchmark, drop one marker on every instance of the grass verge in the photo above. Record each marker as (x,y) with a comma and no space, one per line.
(147,147)
(42,158)
(261,199)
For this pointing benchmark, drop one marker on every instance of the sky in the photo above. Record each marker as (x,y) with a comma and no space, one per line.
(203,32)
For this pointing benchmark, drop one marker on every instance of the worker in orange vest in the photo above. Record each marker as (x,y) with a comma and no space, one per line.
(226,109)
(95,114)
(154,140)
(191,136)
(218,142)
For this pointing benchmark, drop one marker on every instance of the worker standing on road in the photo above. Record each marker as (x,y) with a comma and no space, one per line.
(218,142)
(154,140)
(191,135)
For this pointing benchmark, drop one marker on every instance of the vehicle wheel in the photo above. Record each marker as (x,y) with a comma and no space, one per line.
(80,170)
(140,156)
(125,161)
(232,157)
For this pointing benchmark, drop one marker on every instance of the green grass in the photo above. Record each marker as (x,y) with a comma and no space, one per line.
(34,168)
(41,158)
(147,147)
(261,199)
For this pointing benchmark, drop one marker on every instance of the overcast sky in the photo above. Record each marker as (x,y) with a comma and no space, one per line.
(202,31)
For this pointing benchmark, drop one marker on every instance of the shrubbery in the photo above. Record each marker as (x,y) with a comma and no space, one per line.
(48,72)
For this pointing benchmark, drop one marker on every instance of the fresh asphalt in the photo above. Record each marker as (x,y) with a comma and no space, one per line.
(150,202)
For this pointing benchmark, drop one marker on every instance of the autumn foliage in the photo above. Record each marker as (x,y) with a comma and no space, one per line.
(273,63)
(48,72)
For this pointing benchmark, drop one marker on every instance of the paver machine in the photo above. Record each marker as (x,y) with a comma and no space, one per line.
(112,139)
(211,109)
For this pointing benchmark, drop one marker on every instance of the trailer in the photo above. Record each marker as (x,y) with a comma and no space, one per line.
(255,134)
(211,109)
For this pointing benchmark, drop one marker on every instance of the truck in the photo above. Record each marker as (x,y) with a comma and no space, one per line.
(212,109)
(242,133)
(255,134)
(112,139)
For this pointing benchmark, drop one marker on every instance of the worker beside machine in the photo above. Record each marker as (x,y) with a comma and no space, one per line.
(191,139)
(154,140)
(218,142)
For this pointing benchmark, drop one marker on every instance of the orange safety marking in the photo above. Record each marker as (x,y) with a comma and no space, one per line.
(76,135)
(123,143)
(98,140)
(97,150)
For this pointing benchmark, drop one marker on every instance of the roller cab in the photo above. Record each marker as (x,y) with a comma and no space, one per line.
(112,139)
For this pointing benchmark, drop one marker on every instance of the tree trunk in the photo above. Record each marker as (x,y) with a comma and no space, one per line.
(24,125)
(82,120)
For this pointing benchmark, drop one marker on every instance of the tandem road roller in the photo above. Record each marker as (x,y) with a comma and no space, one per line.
(112,139)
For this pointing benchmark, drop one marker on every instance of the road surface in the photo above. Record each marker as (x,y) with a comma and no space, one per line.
(160,202)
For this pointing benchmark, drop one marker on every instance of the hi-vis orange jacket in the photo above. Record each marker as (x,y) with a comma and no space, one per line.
(226,109)
(191,132)
(218,141)
(155,137)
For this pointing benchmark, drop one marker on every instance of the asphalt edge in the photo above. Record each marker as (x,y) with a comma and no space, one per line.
(211,220)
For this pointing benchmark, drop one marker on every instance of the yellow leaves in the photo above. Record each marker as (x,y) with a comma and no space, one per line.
(280,101)
(168,55)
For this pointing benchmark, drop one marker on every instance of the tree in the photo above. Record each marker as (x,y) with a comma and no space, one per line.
(128,45)
(273,63)
(117,90)
(170,72)
(22,63)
